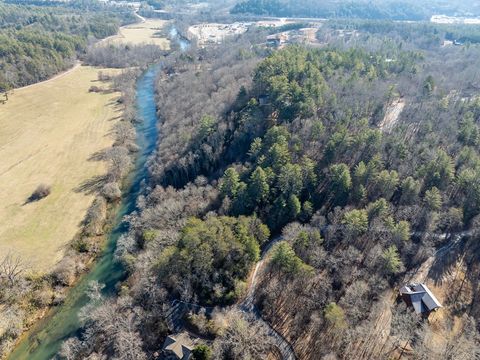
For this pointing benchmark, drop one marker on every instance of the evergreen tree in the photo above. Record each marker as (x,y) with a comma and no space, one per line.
(392,264)
(340,182)
(230,183)
(335,316)
(258,188)
(356,222)
(433,199)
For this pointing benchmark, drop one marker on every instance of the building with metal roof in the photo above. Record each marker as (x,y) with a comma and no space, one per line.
(420,298)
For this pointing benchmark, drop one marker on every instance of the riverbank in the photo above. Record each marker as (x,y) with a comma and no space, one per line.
(45,338)
(49,133)
(78,251)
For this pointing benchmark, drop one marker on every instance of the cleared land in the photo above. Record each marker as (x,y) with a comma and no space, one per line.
(144,32)
(48,132)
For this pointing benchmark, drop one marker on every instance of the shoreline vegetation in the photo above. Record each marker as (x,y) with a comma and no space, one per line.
(43,292)
(52,287)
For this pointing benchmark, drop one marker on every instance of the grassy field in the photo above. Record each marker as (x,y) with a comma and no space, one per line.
(48,132)
(142,33)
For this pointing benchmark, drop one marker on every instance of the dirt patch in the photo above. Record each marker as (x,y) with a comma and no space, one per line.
(392,114)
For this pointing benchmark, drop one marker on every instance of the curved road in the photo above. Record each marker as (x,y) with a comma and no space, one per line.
(179,308)
(175,315)
(248,306)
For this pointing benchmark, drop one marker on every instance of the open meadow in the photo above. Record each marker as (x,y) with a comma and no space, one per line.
(144,32)
(48,132)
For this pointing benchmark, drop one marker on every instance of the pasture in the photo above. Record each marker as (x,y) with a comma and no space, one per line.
(48,132)
(144,32)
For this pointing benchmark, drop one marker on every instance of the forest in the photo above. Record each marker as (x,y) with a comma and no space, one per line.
(423,35)
(293,156)
(37,42)
(362,9)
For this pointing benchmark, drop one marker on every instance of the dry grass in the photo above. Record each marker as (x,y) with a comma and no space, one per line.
(142,33)
(48,132)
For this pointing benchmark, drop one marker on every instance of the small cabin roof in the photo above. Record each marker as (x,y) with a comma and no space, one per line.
(420,297)
(178,346)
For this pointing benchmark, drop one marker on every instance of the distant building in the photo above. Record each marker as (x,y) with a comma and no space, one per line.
(277,40)
(420,298)
(177,348)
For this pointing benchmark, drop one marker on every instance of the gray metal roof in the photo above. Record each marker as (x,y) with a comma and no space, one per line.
(421,297)
(178,347)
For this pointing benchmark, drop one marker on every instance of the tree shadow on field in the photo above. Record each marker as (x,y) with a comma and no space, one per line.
(93,185)
(116,118)
(41,192)
(100,155)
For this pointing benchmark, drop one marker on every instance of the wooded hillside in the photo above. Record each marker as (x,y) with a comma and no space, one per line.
(37,42)
(361,9)
(363,156)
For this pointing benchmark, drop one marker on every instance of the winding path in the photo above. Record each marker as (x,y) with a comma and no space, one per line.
(174,317)
(248,306)
(248,303)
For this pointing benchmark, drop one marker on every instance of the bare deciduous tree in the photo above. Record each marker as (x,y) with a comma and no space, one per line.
(243,338)
(11,268)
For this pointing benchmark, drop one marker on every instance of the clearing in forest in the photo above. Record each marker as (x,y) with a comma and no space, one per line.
(140,33)
(48,132)
(392,114)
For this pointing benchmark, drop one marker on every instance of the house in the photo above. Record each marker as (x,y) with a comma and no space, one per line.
(420,297)
(177,348)
(277,40)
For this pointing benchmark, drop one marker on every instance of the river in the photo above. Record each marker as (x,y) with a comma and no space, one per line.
(43,341)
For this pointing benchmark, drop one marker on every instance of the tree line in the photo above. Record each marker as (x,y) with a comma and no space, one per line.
(386,10)
(38,42)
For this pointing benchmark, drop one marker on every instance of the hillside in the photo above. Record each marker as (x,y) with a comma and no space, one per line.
(38,42)
(360,9)
(350,169)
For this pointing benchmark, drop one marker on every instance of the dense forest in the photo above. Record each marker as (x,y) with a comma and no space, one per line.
(357,161)
(37,42)
(420,34)
(363,9)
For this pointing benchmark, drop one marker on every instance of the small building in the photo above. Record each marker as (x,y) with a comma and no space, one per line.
(420,298)
(177,348)
(277,40)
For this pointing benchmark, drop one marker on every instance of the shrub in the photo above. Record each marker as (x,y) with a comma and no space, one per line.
(95,89)
(95,218)
(42,191)
(202,352)
(111,192)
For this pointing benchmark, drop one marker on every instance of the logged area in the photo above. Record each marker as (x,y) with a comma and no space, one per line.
(48,133)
